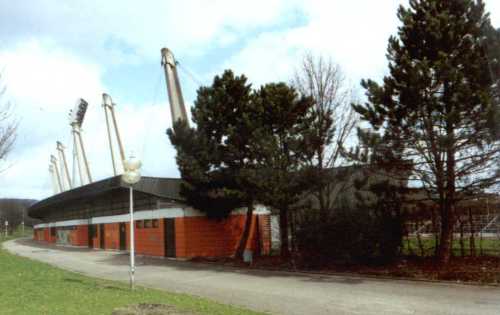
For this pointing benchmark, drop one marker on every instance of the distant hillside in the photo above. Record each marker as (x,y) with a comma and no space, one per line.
(13,210)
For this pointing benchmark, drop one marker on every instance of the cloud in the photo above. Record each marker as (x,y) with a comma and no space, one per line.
(43,82)
(347,32)
(53,53)
(268,57)
(493,7)
(131,31)
(353,34)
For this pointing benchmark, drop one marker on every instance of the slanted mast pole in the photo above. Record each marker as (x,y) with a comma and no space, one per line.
(76,152)
(109,105)
(53,160)
(177,107)
(85,161)
(64,163)
(55,186)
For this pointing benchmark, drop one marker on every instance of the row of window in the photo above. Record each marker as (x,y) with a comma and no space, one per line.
(147,224)
(139,224)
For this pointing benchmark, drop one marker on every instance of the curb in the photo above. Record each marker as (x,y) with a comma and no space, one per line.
(335,274)
(360,276)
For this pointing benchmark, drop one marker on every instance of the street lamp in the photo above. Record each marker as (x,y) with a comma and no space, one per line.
(131,176)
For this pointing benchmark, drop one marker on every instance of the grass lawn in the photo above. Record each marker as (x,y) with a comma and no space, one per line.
(31,287)
(489,246)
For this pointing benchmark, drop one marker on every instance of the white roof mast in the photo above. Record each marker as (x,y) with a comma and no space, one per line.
(109,106)
(177,108)
(55,168)
(65,178)
(55,182)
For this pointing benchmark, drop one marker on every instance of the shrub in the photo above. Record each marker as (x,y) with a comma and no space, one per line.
(360,235)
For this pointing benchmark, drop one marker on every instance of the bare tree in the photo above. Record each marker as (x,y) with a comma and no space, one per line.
(323,80)
(8,129)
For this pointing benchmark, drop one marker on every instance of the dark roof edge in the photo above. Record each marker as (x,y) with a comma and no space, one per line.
(157,186)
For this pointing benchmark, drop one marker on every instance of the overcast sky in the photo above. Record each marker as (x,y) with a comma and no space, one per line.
(54,52)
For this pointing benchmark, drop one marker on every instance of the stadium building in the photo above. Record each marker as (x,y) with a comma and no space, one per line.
(96,216)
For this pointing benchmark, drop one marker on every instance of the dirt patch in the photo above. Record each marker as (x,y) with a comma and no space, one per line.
(150,309)
(482,269)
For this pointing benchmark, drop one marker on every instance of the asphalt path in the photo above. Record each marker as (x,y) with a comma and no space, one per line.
(271,291)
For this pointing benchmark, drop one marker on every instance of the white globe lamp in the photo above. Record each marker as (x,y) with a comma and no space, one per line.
(132,176)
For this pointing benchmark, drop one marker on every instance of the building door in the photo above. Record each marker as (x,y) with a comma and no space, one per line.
(101,236)
(53,235)
(169,229)
(123,236)
(92,234)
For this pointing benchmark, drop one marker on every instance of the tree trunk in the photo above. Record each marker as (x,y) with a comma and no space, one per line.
(461,240)
(419,240)
(472,241)
(437,232)
(246,231)
(285,252)
(323,188)
(446,238)
(447,204)
(481,243)
(293,231)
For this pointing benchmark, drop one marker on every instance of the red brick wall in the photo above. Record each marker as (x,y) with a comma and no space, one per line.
(150,241)
(46,234)
(203,237)
(38,234)
(200,236)
(265,234)
(53,238)
(47,237)
(195,236)
(79,236)
(180,237)
(253,236)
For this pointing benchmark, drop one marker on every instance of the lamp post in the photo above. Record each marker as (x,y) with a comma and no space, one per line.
(131,176)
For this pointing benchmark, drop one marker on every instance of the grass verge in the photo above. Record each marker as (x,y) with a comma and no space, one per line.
(31,287)
(485,246)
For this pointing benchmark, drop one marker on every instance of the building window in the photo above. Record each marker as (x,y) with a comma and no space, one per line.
(148,224)
(155,223)
(139,224)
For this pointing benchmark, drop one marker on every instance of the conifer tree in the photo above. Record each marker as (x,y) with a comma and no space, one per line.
(282,147)
(437,108)
(248,146)
(217,159)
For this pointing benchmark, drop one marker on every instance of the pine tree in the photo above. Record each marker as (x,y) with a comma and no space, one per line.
(204,188)
(248,146)
(285,123)
(217,159)
(436,109)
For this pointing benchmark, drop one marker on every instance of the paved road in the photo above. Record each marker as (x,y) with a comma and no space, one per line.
(274,292)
